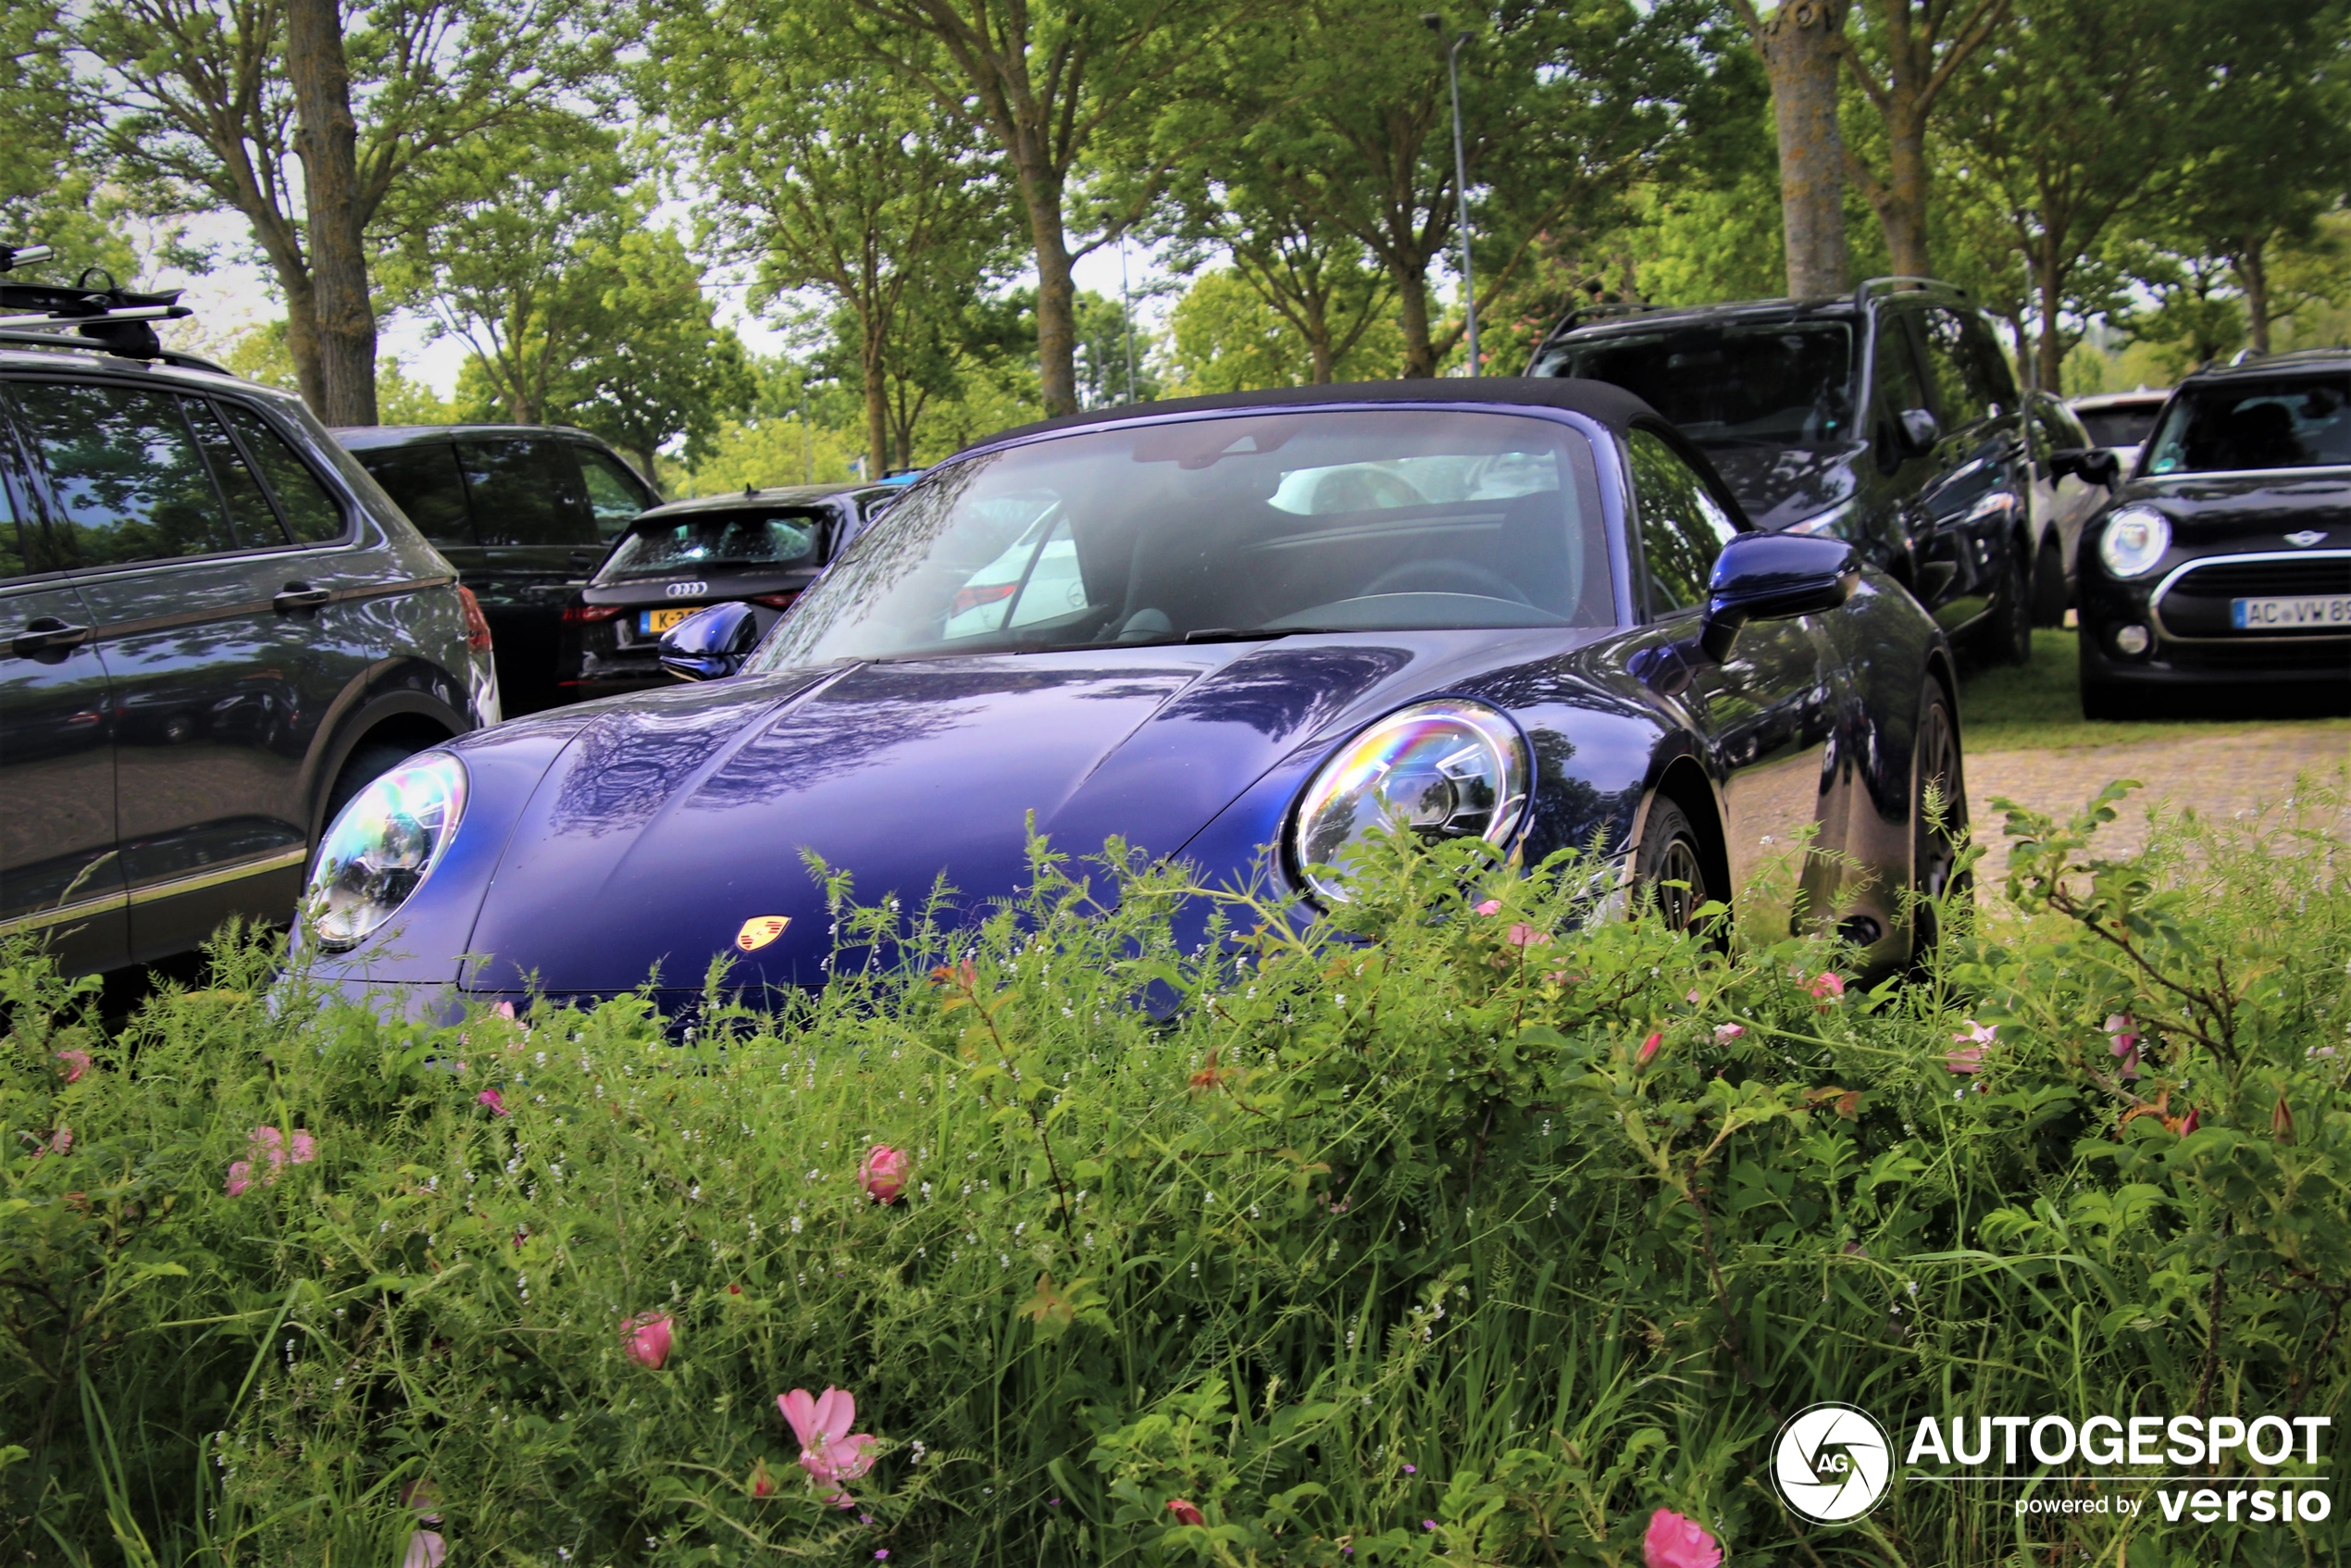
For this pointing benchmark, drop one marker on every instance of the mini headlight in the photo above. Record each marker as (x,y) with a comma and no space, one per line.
(381,848)
(2133,540)
(1446,769)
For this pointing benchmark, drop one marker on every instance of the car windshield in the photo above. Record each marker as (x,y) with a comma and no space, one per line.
(764,539)
(1785,383)
(1216,528)
(2291,422)
(2119,427)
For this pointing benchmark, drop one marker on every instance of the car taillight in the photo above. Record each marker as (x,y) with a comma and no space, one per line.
(585,615)
(477,624)
(973,597)
(775,601)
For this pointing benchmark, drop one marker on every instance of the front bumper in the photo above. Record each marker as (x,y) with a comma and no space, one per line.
(2185,611)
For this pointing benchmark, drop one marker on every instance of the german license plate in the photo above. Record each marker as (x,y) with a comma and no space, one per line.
(653,622)
(2302,612)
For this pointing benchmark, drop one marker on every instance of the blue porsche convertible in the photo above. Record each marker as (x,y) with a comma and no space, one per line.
(1522,610)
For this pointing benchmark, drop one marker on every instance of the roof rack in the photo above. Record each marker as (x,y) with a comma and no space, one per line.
(1898,283)
(115,319)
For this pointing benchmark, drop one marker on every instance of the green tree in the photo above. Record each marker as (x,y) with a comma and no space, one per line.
(192,109)
(46,195)
(1801,43)
(1904,54)
(663,367)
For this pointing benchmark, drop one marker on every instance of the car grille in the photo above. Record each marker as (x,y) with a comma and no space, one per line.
(2195,603)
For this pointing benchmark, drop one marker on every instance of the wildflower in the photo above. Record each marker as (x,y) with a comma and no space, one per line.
(1649,1048)
(1725,1033)
(1491,906)
(76,1064)
(60,1142)
(649,1336)
(1675,1541)
(1185,1512)
(1411,1469)
(762,1484)
(1826,988)
(2282,1122)
(426,1550)
(1429,1524)
(1968,1054)
(240,1177)
(2124,1043)
(828,1450)
(493,1099)
(1522,935)
(883,1173)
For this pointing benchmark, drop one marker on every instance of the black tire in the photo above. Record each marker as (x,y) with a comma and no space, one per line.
(368,762)
(2007,631)
(1939,764)
(1670,854)
(2048,583)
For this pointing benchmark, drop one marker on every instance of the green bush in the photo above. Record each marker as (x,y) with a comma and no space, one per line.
(1466,1226)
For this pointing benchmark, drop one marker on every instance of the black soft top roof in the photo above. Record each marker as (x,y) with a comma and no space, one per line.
(1610,404)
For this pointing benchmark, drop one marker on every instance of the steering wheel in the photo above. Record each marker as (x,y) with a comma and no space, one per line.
(1445,577)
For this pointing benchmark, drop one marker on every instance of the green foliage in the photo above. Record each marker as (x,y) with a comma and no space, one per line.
(1417,1234)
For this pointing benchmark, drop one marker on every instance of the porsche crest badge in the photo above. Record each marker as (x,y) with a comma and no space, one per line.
(760,930)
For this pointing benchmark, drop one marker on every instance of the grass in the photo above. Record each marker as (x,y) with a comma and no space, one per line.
(2038,706)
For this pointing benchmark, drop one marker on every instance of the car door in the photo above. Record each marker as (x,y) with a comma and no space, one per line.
(2065,503)
(59,876)
(1897,389)
(203,614)
(1973,502)
(1767,707)
(613,492)
(538,545)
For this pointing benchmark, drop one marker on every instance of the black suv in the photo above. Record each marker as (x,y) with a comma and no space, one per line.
(2221,570)
(1888,417)
(524,512)
(214,629)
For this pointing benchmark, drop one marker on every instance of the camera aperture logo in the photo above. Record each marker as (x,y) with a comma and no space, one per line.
(1831,1463)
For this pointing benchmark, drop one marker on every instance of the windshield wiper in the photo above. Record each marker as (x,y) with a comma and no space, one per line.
(1241,634)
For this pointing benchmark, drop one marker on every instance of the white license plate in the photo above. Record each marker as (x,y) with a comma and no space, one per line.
(2300,613)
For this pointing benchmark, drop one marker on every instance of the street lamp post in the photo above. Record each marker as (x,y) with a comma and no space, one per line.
(1461,181)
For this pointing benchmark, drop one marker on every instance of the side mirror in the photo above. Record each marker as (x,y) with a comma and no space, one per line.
(2095,464)
(1920,431)
(1774,577)
(710,644)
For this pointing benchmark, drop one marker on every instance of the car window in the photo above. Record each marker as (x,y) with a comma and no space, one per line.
(127,479)
(2119,427)
(2285,422)
(1960,381)
(250,512)
(313,515)
(1786,382)
(1682,528)
(424,482)
(1895,366)
(522,493)
(614,495)
(751,538)
(19,536)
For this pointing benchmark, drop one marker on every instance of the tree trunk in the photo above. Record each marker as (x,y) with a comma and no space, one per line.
(328,142)
(1040,191)
(1411,299)
(2049,281)
(877,398)
(302,331)
(1901,204)
(1800,45)
(2251,268)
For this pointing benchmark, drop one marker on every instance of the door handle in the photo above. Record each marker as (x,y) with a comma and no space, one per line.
(47,634)
(297,596)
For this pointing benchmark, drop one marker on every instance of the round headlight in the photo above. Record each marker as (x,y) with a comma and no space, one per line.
(1447,769)
(2134,540)
(382,847)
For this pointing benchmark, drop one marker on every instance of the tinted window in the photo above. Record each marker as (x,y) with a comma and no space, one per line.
(521,488)
(425,483)
(127,479)
(614,495)
(1895,368)
(748,539)
(249,509)
(312,512)
(1361,520)
(1969,384)
(1682,528)
(20,543)
(2291,422)
(2119,427)
(1788,383)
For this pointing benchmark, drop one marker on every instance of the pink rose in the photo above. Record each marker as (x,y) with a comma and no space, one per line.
(883,1173)
(76,1064)
(649,1338)
(1827,985)
(1677,1541)
(1185,1512)
(1649,1048)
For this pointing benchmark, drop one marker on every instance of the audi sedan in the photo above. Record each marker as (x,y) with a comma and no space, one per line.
(1523,612)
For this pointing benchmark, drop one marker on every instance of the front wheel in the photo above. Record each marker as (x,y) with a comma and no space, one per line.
(2007,631)
(1670,866)
(2048,584)
(1938,815)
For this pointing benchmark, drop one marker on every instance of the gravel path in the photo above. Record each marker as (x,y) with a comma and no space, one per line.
(2219,776)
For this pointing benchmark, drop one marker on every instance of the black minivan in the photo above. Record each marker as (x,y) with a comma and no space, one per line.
(524,512)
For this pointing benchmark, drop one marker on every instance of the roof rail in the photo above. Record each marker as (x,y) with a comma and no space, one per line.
(1899,282)
(115,319)
(1583,315)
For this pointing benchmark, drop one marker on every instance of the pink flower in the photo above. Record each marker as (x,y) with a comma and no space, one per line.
(1522,935)
(426,1550)
(649,1338)
(269,1142)
(1828,987)
(1725,1033)
(1185,1512)
(240,1177)
(305,1147)
(76,1064)
(1980,1034)
(883,1173)
(1675,1541)
(504,1010)
(2125,1044)
(1649,1048)
(828,1450)
(762,1484)
(2190,1123)
(1692,998)
(1491,906)
(60,1142)
(1963,1059)
(493,1099)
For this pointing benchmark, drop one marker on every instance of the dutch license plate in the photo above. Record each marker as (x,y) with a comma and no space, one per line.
(653,622)
(2302,612)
